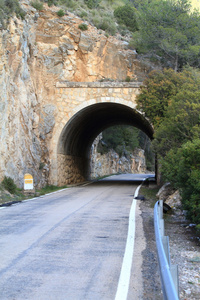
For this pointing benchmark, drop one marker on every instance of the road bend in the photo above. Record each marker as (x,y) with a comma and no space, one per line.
(70,245)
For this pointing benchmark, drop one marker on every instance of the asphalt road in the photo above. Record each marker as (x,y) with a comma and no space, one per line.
(70,245)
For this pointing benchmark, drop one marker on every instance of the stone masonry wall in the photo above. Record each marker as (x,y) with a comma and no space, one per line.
(69,169)
(70,96)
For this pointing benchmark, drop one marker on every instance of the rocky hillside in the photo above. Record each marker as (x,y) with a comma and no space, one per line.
(35,53)
(112,163)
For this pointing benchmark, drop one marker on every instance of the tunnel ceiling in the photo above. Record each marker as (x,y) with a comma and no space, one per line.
(81,130)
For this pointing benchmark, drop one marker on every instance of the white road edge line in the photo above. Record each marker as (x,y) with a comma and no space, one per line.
(124,279)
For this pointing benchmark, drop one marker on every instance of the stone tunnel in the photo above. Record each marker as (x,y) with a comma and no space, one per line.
(70,160)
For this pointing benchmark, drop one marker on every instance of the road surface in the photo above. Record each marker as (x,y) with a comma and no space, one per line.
(70,245)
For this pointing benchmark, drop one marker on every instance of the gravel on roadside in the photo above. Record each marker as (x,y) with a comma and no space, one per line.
(184,251)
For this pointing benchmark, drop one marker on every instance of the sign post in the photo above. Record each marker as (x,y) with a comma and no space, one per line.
(28,182)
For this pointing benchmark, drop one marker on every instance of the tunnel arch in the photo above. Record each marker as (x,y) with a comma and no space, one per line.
(79,132)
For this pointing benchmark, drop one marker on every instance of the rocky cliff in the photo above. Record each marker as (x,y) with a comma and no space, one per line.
(34,54)
(112,163)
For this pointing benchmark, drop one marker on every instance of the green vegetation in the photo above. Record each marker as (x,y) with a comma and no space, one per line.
(9,185)
(9,193)
(37,5)
(60,13)
(126,15)
(7,9)
(83,27)
(156,93)
(169,33)
(92,3)
(124,140)
(49,189)
(51,2)
(164,31)
(128,79)
(182,167)
(172,102)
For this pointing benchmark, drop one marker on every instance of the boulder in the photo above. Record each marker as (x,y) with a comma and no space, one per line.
(174,200)
(165,191)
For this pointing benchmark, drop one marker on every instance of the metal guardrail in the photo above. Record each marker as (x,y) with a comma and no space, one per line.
(168,272)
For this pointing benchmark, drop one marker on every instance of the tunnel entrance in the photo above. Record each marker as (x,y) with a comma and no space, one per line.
(121,149)
(77,136)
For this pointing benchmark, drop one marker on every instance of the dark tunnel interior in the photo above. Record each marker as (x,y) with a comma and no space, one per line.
(81,130)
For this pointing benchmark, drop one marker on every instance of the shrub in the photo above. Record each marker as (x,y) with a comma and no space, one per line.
(182,168)
(123,30)
(41,166)
(70,4)
(9,185)
(106,24)
(128,79)
(83,14)
(60,13)
(92,3)
(7,8)
(126,15)
(83,27)
(51,2)
(37,5)
(14,6)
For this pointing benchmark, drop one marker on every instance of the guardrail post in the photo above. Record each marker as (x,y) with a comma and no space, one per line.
(174,273)
(165,241)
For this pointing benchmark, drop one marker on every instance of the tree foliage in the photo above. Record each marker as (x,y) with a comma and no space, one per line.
(126,15)
(169,33)
(7,9)
(182,167)
(123,139)
(180,122)
(175,110)
(156,92)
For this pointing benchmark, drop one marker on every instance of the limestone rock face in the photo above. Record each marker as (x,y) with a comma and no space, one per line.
(34,55)
(111,163)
